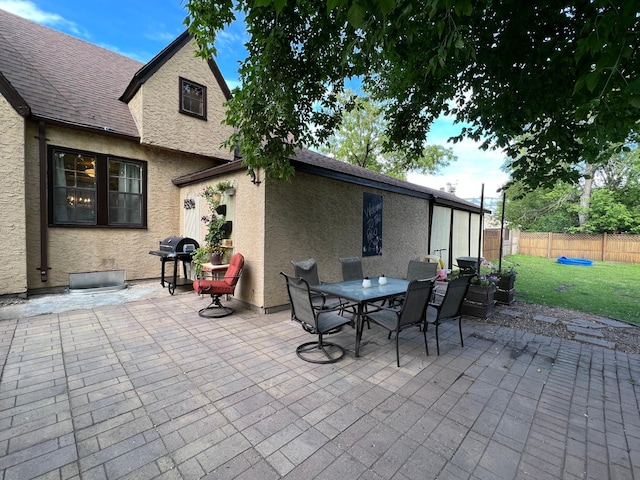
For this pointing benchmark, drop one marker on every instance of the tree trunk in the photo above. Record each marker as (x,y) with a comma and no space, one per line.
(585,196)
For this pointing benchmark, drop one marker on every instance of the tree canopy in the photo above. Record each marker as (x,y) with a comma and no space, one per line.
(614,204)
(361,137)
(548,82)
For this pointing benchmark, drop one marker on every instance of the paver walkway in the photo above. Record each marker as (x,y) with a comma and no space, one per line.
(148,389)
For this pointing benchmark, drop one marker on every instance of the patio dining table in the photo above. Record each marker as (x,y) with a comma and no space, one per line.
(353,291)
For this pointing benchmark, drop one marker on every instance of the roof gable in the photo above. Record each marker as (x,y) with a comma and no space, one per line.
(60,78)
(154,65)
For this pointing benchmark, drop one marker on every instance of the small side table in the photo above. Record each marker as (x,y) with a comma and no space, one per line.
(214,270)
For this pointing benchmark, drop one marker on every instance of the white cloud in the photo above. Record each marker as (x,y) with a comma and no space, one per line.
(30,11)
(473,168)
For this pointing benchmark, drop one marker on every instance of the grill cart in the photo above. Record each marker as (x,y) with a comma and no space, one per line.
(175,249)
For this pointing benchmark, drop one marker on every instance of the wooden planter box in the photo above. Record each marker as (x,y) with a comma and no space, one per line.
(504,297)
(478,310)
(506,283)
(505,293)
(479,302)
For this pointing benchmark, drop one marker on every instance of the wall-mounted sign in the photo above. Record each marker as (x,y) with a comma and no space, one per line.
(371,225)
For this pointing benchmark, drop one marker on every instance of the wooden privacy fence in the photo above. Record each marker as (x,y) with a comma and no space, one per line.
(491,243)
(623,248)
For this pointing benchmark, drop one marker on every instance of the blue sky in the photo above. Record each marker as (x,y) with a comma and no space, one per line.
(140,29)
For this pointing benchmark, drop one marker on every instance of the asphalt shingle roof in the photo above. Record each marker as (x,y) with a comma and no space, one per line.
(65,79)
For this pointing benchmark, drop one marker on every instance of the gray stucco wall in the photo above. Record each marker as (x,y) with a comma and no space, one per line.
(156,108)
(78,250)
(13,268)
(318,217)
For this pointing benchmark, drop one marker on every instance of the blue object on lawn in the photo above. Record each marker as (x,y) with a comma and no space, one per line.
(575,261)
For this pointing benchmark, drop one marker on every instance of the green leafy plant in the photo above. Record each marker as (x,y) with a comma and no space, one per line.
(505,272)
(215,227)
(223,186)
(484,280)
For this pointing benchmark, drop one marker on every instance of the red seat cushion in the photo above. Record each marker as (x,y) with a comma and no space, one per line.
(235,266)
(225,285)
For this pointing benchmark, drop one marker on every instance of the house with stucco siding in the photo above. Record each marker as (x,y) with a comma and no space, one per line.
(102,156)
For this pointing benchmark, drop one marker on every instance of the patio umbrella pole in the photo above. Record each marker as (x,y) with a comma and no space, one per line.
(481,225)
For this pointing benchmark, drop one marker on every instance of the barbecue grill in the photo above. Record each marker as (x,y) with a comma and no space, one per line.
(175,249)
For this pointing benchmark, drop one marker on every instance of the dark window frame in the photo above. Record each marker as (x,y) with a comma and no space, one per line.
(101,190)
(181,82)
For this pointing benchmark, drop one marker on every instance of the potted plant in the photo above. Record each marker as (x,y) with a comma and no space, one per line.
(506,285)
(480,300)
(217,228)
(226,188)
(506,278)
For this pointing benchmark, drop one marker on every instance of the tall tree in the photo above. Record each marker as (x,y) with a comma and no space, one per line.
(614,200)
(510,69)
(360,139)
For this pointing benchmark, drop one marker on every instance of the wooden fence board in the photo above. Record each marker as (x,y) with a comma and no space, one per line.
(598,247)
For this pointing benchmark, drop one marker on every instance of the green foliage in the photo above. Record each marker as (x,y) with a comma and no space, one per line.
(529,71)
(542,210)
(214,222)
(614,204)
(360,140)
(609,214)
(606,288)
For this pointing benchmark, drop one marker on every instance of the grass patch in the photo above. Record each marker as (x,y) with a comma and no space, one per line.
(604,288)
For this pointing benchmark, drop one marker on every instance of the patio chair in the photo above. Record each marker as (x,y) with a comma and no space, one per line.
(308,270)
(418,269)
(314,321)
(220,286)
(351,268)
(410,314)
(450,307)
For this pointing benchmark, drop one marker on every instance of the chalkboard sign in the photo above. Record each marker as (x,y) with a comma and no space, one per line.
(371,225)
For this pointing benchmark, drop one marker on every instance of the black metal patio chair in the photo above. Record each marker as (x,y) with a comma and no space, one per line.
(450,307)
(351,268)
(315,321)
(410,314)
(308,270)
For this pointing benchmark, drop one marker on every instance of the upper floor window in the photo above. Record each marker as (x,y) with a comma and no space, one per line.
(193,98)
(95,189)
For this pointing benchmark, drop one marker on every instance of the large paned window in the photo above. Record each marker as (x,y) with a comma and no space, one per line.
(91,189)
(193,98)
(125,193)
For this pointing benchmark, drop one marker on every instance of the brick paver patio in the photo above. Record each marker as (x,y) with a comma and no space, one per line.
(149,389)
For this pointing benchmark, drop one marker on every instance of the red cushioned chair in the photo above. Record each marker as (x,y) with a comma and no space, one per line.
(218,287)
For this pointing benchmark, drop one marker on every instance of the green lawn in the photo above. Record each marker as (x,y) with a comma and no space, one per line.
(604,288)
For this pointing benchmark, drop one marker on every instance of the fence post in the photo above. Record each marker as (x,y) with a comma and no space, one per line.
(549,240)
(604,245)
